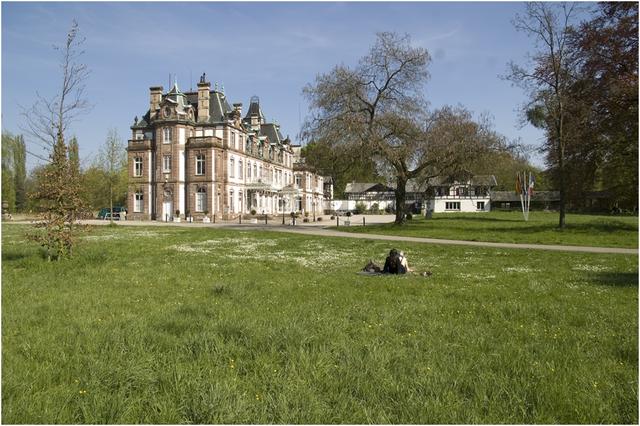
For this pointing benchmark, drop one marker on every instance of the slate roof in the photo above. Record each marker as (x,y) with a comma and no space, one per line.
(511,196)
(358,187)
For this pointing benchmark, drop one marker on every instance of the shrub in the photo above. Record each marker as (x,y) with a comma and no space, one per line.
(253,212)
(332,217)
(206,212)
(305,219)
(375,208)
(409,216)
(348,214)
(319,219)
(177,212)
(360,208)
(306,214)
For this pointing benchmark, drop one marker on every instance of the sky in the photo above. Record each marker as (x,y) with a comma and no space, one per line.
(267,49)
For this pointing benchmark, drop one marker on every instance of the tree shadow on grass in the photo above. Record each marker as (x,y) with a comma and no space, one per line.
(616,279)
(479,218)
(602,228)
(12,256)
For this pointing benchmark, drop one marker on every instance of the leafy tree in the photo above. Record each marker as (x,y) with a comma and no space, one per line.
(607,91)
(378,107)
(20,172)
(8,171)
(48,120)
(548,79)
(113,159)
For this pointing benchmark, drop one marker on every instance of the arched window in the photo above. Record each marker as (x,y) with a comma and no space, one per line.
(201,199)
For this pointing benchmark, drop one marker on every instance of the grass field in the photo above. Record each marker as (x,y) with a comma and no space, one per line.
(178,325)
(510,227)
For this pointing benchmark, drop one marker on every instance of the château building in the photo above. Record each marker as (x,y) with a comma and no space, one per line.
(194,153)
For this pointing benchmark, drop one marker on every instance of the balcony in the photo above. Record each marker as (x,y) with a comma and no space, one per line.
(139,144)
(204,142)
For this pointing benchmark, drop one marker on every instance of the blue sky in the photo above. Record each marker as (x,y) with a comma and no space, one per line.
(267,49)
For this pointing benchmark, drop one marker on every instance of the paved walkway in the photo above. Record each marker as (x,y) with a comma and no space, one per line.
(320,229)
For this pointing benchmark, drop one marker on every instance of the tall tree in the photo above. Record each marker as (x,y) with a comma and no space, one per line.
(8,171)
(20,172)
(112,158)
(48,121)
(607,54)
(378,107)
(548,79)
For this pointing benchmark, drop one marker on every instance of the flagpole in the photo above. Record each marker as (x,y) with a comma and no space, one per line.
(521,197)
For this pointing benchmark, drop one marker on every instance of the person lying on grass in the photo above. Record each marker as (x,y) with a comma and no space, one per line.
(396,263)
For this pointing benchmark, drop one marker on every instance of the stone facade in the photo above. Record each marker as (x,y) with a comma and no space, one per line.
(193,153)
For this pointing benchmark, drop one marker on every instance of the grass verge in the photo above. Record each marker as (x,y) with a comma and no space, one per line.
(510,227)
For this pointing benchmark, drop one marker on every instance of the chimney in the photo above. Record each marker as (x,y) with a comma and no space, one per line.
(204,88)
(238,108)
(155,95)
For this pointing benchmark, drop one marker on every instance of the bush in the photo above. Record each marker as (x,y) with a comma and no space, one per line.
(360,208)
(319,219)
(177,212)
(375,208)
(253,212)
(332,217)
(409,216)
(349,214)
(305,219)
(306,214)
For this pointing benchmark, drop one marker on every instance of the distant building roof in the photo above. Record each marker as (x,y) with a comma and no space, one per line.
(511,196)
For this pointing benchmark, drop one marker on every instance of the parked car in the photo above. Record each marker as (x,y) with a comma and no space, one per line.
(105,213)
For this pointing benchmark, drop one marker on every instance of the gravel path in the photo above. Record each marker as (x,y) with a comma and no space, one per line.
(318,229)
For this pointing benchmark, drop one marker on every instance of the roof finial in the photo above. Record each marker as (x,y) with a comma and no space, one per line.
(222,88)
(215,87)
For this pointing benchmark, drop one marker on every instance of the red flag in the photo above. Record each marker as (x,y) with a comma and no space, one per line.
(518,184)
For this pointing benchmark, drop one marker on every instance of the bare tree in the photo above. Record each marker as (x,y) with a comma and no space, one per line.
(48,120)
(378,106)
(548,79)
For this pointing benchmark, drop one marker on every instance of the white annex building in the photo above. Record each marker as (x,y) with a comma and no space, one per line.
(438,195)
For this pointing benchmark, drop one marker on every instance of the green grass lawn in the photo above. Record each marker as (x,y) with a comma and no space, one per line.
(510,227)
(178,325)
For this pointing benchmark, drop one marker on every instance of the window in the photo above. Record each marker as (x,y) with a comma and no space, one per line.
(139,136)
(232,166)
(166,164)
(452,205)
(480,205)
(255,171)
(240,169)
(231,203)
(298,181)
(201,199)
(249,170)
(138,205)
(137,167)
(233,141)
(166,137)
(200,164)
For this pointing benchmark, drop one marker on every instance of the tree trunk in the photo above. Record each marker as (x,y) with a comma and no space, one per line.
(561,222)
(111,203)
(401,195)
